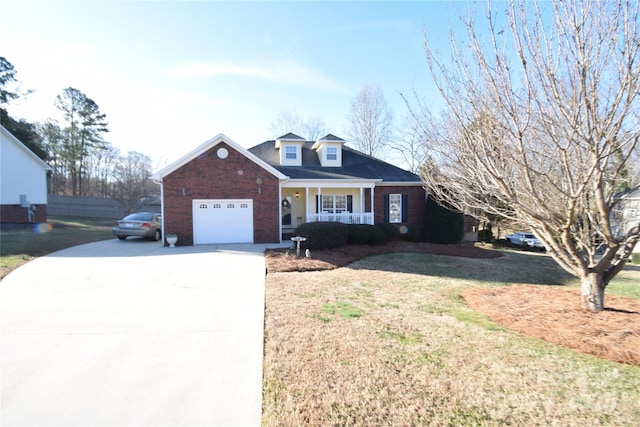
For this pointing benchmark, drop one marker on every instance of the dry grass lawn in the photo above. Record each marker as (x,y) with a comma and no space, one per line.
(390,340)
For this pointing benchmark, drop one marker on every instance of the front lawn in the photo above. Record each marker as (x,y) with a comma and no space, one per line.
(390,340)
(20,243)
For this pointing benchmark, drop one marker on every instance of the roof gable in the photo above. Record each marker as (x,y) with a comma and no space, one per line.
(8,136)
(290,136)
(331,137)
(206,146)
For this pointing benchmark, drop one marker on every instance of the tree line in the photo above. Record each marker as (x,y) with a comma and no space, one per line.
(84,163)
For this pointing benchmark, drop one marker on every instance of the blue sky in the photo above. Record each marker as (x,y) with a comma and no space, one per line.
(171,75)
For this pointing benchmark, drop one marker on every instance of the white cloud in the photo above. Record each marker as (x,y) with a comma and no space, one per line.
(286,71)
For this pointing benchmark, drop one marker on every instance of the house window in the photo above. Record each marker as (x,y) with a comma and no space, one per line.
(290,152)
(395,207)
(334,204)
(230,206)
(217,206)
(332,153)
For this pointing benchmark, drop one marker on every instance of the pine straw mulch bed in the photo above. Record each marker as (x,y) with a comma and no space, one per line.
(285,260)
(549,313)
(553,314)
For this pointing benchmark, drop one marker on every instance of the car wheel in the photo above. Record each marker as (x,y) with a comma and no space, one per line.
(122,237)
(157,235)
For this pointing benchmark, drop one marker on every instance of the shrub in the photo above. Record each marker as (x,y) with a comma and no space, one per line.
(443,225)
(357,234)
(378,237)
(322,235)
(390,230)
(362,234)
(485,235)
(412,234)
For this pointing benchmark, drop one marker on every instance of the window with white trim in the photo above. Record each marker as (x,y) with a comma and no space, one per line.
(290,152)
(395,207)
(332,153)
(334,204)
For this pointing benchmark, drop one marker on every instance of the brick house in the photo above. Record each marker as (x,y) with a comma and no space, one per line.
(223,193)
(23,182)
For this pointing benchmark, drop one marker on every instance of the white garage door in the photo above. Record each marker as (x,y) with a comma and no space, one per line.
(222,221)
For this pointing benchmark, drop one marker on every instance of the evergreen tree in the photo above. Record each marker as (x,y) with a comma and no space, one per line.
(443,224)
(85,125)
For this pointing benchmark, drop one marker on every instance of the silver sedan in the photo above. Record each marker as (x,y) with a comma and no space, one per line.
(142,224)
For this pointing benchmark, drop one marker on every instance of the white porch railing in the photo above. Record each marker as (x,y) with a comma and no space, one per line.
(347,218)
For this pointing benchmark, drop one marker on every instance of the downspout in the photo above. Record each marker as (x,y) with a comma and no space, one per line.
(161,206)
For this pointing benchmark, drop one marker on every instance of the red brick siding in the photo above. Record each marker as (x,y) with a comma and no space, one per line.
(18,215)
(208,177)
(416,205)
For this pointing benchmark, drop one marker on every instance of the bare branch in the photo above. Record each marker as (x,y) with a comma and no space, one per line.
(541,123)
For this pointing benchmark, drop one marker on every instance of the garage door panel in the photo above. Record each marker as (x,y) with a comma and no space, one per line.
(222,221)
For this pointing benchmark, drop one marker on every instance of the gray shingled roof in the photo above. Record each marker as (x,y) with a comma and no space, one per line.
(331,137)
(355,165)
(291,136)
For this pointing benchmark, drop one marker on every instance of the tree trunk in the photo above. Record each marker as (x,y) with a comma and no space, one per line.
(593,292)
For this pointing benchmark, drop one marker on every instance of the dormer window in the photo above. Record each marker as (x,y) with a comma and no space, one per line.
(332,153)
(329,149)
(290,152)
(290,149)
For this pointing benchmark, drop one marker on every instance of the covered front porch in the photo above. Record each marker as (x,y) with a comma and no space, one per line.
(349,203)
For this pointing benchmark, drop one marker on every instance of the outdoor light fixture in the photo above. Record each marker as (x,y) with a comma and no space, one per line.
(297,195)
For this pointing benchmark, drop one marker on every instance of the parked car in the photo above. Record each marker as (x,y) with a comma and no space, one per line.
(526,240)
(142,224)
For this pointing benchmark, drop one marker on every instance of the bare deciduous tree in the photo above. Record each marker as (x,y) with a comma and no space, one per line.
(289,121)
(541,120)
(370,121)
(132,184)
(409,144)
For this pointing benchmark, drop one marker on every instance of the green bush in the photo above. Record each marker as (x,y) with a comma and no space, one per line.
(322,235)
(443,225)
(390,230)
(362,234)
(378,237)
(412,234)
(485,235)
(358,234)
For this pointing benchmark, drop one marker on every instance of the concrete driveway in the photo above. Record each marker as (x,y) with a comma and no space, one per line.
(134,333)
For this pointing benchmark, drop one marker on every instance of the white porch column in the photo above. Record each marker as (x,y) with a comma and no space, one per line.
(306,203)
(373,211)
(362,205)
(319,204)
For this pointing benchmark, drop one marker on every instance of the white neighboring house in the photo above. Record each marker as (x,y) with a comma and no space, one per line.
(626,214)
(23,182)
